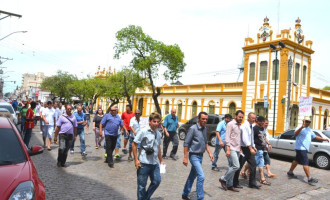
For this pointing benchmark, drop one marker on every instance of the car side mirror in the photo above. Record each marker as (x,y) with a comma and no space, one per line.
(35,150)
(17,112)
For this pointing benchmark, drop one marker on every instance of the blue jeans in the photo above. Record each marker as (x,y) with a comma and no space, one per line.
(22,124)
(233,167)
(216,154)
(196,171)
(81,133)
(143,173)
(27,136)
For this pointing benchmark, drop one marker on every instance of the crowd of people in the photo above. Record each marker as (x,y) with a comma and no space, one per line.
(245,145)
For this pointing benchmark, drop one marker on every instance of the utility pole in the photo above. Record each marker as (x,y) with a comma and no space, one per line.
(288,106)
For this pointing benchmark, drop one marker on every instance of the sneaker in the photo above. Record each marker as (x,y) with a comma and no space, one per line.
(174,157)
(117,156)
(313,180)
(124,151)
(216,169)
(291,175)
(130,158)
(84,153)
(164,157)
(72,151)
(105,155)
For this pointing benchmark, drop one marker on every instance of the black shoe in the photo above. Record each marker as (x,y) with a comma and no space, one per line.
(64,165)
(291,175)
(216,169)
(254,186)
(233,189)
(174,157)
(164,157)
(185,198)
(238,186)
(313,180)
(111,165)
(223,184)
(58,164)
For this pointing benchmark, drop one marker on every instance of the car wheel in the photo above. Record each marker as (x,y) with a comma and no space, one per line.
(182,135)
(212,140)
(322,161)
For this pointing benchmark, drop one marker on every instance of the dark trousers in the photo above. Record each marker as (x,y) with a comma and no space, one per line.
(173,136)
(65,141)
(27,136)
(110,146)
(252,163)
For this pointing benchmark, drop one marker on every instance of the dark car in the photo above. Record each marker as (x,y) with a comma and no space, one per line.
(211,127)
(19,177)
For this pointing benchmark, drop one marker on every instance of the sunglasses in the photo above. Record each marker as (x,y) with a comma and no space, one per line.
(112,110)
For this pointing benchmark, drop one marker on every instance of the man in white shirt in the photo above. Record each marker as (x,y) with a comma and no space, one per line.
(42,123)
(48,115)
(37,115)
(249,151)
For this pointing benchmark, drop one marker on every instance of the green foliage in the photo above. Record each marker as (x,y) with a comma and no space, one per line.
(58,84)
(149,55)
(326,88)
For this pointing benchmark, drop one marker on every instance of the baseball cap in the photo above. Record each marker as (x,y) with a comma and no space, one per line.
(307,118)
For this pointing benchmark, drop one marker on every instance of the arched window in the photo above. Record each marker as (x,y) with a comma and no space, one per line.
(275,67)
(211,107)
(179,111)
(304,75)
(296,73)
(140,106)
(194,109)
(252,72)
(232,109)
(167,106)
(263,71)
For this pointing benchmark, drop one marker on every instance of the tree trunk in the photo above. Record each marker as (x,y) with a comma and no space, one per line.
(114,102)
(155,92)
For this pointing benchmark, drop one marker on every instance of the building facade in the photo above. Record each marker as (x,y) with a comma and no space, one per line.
(269,81)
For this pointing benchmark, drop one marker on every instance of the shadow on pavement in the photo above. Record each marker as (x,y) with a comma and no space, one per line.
(61,183)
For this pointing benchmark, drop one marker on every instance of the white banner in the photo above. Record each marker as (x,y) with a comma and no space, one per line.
(305,106)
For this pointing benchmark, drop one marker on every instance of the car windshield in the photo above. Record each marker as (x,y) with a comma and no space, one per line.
(8,107)
(327,133)
(11,150)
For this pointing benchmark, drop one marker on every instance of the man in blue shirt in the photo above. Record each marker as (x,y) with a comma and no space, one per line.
(14,104)
(220,140)
(170,125)
(304,136)
(81,121)
(110,124)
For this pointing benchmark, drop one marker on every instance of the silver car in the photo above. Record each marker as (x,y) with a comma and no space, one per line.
(10,108)
(319,151)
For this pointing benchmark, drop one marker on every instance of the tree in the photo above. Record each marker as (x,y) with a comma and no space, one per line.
(326,88)
(149,55)
(58,83)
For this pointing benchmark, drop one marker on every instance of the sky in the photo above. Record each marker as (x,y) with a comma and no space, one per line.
(77,36)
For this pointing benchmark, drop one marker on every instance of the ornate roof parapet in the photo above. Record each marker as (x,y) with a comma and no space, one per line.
(104,73)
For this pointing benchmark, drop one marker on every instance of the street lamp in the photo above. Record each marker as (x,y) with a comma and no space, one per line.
(273,47)
(12,33)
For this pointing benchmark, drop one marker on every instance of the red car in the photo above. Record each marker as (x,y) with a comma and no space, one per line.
(18,175)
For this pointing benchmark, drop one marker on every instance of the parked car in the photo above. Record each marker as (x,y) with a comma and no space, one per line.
(10,108)
(319,151)
(211,127)
(19,177)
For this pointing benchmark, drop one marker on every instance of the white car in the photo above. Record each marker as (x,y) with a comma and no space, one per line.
(10,108)
(319,151)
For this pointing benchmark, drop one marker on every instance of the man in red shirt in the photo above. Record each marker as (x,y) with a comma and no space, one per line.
(126,117)
(29,123)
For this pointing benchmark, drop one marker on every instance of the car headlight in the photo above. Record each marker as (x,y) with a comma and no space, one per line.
(24,191)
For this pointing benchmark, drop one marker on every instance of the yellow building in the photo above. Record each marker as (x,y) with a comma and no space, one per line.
(258,82)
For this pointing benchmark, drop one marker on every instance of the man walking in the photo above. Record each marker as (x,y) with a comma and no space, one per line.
(196,143)
(110,124)
(170,125)
(233,145)
(249,151)
(268,148)
(66,127)
(48,116)
(126,117)
(220,140)
(146,161)
(81,121)
(135,128)
(304,136)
